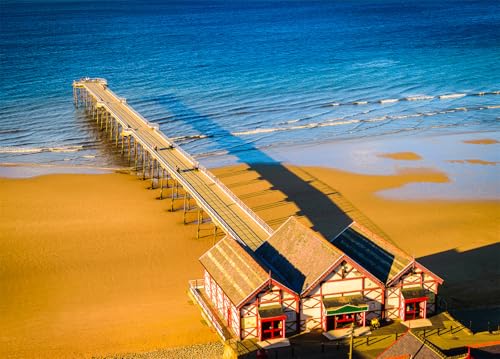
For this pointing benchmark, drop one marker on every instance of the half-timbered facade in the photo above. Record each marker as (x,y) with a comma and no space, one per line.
(250,301)
(410,288)
(346,295)
(413,293)
(297,280)
(335,290)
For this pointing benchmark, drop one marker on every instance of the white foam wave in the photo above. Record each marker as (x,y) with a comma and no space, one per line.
(418,98)
(389,100)
(65,149)
(31,150)
(414,98)
(451,96)
(340,121)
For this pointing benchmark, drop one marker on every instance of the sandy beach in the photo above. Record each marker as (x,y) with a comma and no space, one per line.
(93,265)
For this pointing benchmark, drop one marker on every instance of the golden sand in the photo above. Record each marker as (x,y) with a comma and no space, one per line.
(94,264)
(402,156)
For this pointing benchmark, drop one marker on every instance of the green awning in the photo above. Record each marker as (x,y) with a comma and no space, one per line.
(271,311)
(413,293)
(345,305)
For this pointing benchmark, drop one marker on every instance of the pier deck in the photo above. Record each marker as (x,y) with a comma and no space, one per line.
(222,206)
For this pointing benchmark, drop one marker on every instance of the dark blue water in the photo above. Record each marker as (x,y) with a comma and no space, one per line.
(219,74)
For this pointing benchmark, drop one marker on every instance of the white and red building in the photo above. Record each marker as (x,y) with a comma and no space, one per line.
(250,301)
(297,280)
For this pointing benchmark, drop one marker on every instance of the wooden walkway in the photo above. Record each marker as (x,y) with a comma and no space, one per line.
(162,160)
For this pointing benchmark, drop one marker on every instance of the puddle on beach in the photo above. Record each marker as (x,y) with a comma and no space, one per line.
(473,169)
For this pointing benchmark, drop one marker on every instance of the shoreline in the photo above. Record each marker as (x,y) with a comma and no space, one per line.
(468,159)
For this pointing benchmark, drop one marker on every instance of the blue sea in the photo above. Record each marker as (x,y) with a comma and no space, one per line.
(243,77)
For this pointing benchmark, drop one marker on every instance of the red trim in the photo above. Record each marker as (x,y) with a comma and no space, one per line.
(487,344)
(365,272)
(322,316)
(348,292)
(321,277)
(415,300)
(284,287)
(413,264)
(415,304)
(272,331)
(426,270)
(268,281)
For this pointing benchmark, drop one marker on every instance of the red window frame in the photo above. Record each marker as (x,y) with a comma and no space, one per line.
(280,331)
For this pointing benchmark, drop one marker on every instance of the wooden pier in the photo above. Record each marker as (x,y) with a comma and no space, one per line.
(168,166)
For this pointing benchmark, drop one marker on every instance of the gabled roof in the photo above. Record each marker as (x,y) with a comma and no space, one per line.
(377,255)
(298,255)
(234,270)
(410,346)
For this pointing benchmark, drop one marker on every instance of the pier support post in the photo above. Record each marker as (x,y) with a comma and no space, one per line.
(200,219)
(75,100)
(152,172)
(117,127)
(161,182)
(143,164)
(172,198)
(135,155)
(187,207)
(111,128)
(215,234)
(128,148)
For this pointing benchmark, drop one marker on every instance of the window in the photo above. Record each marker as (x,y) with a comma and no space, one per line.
(271,328)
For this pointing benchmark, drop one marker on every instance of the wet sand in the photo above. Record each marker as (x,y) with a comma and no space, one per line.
(474,162)
(482,141)
(92,265)
(403,156)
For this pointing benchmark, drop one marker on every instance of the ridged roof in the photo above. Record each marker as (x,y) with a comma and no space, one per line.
(234,270)
(298,255)
(413,347)
(378,256)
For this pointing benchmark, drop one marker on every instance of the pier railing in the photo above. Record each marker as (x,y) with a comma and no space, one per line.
(201,168)
(219,184)
(168,166)
(194,287)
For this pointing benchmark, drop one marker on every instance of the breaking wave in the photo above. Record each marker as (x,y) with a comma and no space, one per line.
(342,121)
(31,150)
(383,101)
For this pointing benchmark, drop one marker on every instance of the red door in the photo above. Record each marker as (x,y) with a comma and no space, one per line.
(344,320)
(412,310)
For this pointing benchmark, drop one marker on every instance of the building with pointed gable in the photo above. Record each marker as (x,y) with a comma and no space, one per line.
(410,287)
(297,280)
(250,300)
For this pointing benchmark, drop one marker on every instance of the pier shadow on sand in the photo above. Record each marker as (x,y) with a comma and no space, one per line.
(471,278)
(326,217)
